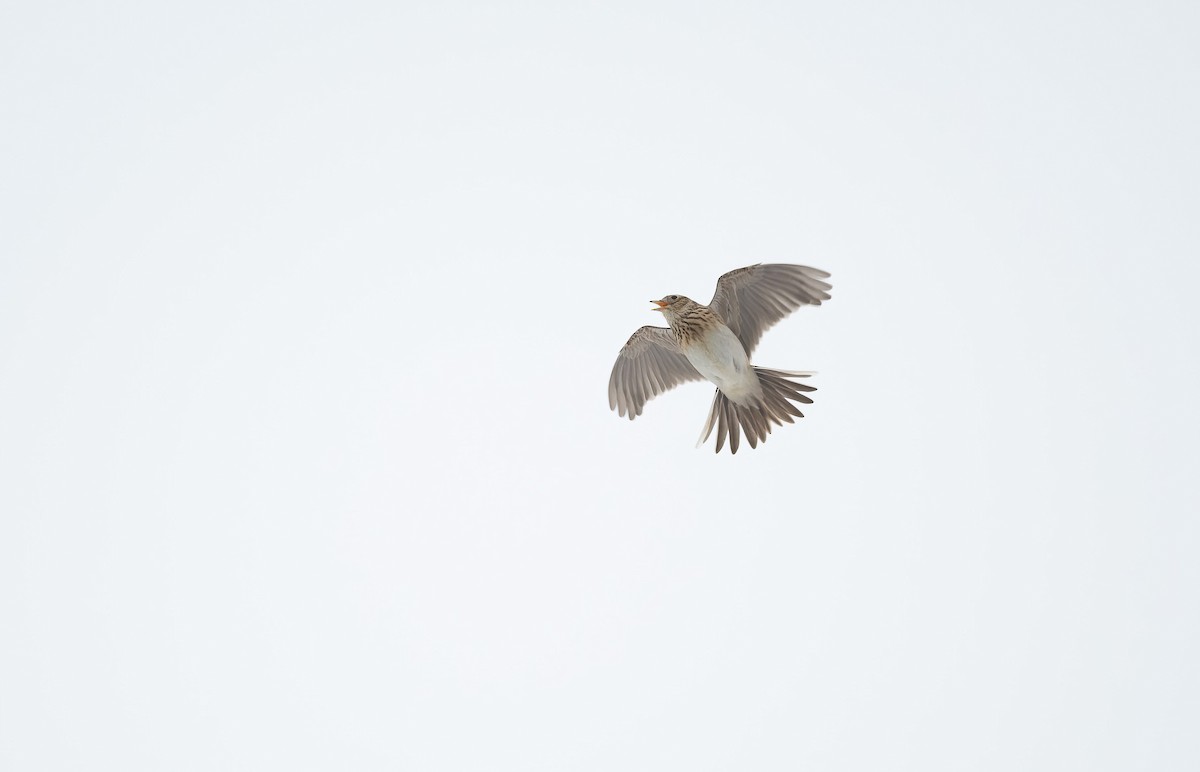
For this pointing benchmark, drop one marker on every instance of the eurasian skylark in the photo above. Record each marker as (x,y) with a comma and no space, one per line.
(714,343)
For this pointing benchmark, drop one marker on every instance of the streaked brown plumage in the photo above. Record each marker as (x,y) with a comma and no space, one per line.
(714,343)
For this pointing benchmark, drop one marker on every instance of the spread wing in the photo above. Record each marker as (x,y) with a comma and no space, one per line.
(753,298)
(649,364)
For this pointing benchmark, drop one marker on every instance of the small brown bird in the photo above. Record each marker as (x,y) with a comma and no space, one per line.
(714,343)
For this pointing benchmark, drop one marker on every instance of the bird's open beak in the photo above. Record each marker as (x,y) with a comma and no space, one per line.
(661,305)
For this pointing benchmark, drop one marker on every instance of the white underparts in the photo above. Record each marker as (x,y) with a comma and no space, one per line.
(721,358)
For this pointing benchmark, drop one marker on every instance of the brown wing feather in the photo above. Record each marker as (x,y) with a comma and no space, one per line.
(648,364)
(751,299)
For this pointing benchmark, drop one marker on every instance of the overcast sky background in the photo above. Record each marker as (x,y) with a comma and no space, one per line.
(307,313)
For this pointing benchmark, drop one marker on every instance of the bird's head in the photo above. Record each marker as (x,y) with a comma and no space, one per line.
(671,304)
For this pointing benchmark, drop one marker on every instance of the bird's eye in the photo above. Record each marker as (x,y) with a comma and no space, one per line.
(672,297)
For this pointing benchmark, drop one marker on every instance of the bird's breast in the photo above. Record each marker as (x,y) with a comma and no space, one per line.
(720,357)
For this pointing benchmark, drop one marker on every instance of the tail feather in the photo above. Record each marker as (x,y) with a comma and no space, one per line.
(731,420)
(731,416)
(754,423)
(722,410)
(709,424)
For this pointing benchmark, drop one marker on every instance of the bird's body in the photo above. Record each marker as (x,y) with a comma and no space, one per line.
(716,353)
(714,343)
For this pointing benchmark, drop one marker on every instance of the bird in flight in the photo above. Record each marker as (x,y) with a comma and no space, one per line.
(714,343)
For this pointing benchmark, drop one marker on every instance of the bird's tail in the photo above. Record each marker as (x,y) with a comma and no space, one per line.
(732,419)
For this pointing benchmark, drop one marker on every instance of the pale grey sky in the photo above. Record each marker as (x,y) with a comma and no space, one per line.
(306,319)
